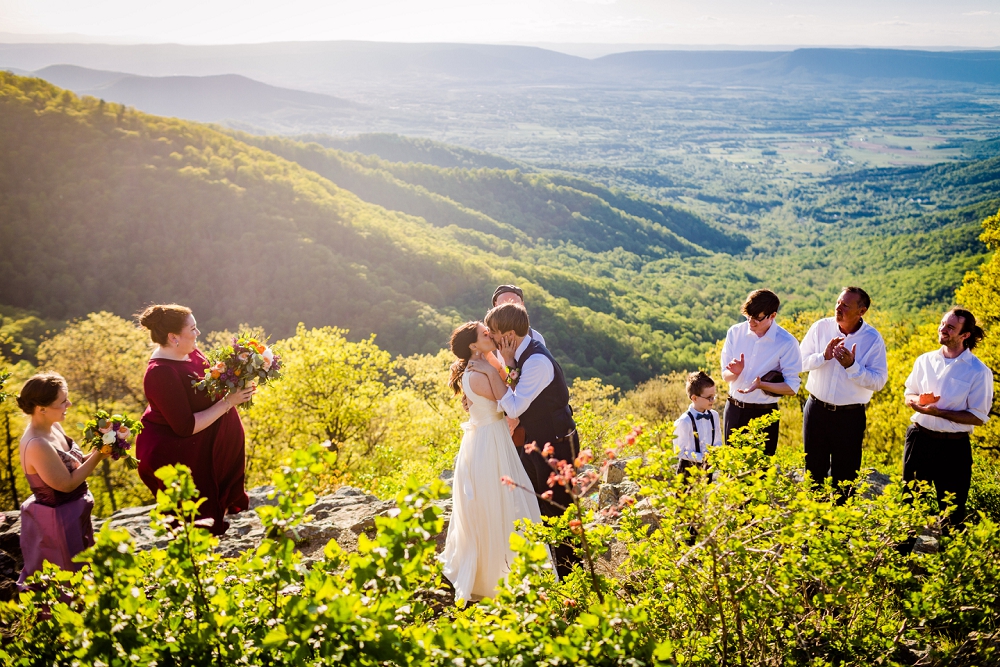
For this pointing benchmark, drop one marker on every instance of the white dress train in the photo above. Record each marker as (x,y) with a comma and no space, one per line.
(477,552)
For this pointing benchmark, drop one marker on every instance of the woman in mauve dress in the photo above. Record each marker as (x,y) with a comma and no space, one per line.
(55,519)
(189,427)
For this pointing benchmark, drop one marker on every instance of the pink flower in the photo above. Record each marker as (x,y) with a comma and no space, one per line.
(553,479)
(507,481)
(611,455)
(547,495)
(630,439)
(548,450)
(626,500)
(530,448)
(243,356)
(585,457)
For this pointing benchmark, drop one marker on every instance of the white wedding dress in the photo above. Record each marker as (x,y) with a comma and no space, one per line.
(477,552)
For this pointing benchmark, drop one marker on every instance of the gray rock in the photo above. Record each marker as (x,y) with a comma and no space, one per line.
(341,516)
(447,476)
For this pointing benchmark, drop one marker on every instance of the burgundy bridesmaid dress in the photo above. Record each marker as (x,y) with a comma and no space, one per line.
(216,455)
(55,525)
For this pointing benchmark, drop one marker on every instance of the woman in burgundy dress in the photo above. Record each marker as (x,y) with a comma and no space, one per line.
(55,519)
(185,426)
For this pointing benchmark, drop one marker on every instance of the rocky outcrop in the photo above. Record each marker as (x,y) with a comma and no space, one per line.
(340,516)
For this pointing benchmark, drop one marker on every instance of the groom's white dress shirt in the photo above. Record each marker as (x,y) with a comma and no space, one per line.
(832,383)
(775,350)
(536,374)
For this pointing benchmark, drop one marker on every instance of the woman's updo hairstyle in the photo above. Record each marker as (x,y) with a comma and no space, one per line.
(461,339)
(163,319)
(40,390)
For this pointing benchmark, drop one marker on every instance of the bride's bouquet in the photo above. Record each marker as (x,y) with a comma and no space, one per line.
(246,361)
(113,434)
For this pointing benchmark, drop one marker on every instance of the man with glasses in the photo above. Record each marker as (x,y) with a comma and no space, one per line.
(761,362)
(845,357)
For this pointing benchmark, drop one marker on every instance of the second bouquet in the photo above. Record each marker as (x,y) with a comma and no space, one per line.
(247,361)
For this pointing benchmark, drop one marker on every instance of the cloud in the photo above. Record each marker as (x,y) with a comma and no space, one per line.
(981,12)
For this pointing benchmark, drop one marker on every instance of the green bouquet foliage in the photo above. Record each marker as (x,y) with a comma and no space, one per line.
(113,434)
(742,565)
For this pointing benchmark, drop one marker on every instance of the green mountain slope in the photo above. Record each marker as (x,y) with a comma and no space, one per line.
(107,208)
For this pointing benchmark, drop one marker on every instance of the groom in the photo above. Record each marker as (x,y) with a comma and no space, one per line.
(540,400)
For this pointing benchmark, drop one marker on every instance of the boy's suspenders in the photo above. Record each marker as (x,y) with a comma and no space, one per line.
(694,430)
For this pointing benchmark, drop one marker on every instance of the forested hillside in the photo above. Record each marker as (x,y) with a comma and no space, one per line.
(106,208)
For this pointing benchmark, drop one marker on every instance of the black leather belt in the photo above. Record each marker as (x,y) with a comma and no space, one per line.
(941,435)
(833,408)
(753,406)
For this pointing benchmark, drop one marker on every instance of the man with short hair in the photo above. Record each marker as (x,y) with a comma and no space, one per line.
(755,354)
(539,397)
(951,392)
(513,294)
(846,360)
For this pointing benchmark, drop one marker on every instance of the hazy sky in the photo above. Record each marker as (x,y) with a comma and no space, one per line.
(971,23)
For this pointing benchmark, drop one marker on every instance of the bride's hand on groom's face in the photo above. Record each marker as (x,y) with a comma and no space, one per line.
(507,346)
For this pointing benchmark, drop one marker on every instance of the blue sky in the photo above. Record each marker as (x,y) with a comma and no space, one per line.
(921,23)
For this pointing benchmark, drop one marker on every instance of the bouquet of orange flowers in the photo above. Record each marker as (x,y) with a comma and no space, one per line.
(245,362)
(113,434)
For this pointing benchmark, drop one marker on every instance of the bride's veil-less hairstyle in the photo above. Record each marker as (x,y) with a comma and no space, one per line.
(461,339)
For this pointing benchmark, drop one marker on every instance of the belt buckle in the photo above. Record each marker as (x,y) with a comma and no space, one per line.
(831,407)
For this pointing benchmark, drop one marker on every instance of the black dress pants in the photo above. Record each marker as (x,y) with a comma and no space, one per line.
(944,460)
(833,440)
(736,417)
(538,469)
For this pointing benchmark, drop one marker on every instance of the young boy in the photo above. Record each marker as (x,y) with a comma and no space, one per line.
(698,428)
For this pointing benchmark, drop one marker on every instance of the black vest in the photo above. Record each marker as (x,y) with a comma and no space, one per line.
(549,417)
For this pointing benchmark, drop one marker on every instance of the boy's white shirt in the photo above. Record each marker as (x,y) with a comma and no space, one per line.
(684,437)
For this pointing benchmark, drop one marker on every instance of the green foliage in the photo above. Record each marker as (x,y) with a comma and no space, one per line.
(750,567)
(333,391)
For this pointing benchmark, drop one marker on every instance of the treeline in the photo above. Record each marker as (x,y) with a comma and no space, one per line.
(387,418)
(127,208)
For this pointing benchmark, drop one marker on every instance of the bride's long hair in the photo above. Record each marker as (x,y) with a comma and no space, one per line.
(461,339)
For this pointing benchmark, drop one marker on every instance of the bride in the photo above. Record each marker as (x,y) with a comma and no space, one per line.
(477,552)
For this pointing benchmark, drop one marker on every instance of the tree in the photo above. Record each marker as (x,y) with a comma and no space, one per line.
(331,390)
(103,358)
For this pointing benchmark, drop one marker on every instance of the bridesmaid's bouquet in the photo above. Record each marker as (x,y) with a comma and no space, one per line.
(113,434)
(246,361)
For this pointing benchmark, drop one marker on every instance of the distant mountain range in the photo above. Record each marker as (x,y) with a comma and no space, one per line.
(204,98)
(327,67)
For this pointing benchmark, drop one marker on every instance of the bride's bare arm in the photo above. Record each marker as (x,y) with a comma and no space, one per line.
(487,387)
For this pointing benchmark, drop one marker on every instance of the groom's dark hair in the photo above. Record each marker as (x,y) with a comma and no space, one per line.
(508,317)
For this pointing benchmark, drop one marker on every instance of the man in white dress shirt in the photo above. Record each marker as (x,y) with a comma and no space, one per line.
(752,350)
(539,397)
(950,392)
(845,357)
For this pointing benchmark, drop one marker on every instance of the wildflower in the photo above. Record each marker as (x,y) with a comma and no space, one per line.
(576,526)
(611,455)
(547,495)
(507,481)
(626,500)
(548,450)
(530,448)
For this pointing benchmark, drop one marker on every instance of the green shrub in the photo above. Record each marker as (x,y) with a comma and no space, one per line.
(749,567)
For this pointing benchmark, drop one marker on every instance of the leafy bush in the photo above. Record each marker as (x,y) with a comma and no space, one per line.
(750,567)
